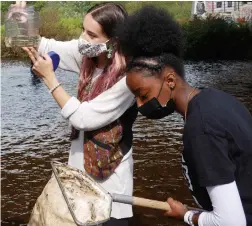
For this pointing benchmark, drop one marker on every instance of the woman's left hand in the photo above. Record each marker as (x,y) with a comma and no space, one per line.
(178,210)
(42,65)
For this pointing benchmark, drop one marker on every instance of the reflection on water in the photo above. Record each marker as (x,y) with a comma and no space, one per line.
(34,133)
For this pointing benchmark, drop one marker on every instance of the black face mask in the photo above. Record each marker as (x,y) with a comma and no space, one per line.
(154,110)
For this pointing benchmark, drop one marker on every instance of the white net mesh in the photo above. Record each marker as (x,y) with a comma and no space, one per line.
(89,202)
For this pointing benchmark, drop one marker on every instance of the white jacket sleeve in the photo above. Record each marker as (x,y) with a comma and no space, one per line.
(102,110)
(227,207)
(70,58)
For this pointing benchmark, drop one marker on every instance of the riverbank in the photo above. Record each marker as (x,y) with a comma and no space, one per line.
(217,39)
(209,39)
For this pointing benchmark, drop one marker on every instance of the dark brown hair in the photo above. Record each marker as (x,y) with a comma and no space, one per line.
(108,15)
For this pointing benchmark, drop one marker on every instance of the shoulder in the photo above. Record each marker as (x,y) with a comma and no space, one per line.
(209,112)
(121,85)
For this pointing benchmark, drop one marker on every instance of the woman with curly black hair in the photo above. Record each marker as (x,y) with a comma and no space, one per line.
(217,155)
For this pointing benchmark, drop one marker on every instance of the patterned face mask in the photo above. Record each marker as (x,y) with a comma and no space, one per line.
(89,49)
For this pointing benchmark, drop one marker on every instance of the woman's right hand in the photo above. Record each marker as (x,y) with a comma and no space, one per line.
(19,4)
(15,8)
(42,65)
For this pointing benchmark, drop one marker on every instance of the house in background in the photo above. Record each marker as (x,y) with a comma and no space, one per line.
(228,9)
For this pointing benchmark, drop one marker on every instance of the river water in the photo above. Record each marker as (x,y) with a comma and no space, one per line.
(34,133)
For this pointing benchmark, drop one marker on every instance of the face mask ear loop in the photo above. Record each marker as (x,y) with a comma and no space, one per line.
(160,88)
(170,96)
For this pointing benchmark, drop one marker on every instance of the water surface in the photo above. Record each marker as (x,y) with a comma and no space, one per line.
(34,133)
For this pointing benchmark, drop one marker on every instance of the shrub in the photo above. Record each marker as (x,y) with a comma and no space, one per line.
(215,38)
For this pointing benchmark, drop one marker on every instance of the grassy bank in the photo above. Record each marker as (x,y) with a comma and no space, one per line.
(212,38)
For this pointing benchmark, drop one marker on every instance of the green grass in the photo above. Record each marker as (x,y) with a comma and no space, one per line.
(180,10)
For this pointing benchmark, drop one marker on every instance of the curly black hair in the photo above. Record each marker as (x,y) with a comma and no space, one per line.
(148,32)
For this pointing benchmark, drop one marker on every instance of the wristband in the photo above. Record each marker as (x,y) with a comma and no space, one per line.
(54,88)
(188,217)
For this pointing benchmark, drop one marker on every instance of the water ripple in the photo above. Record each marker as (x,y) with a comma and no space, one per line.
(34,133)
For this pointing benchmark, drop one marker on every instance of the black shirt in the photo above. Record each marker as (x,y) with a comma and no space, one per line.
(218,147)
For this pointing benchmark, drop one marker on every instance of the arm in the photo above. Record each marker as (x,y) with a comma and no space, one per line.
(210,160)
(68,51)
(101,111)
(227,208)
(70,58)
(209,166)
